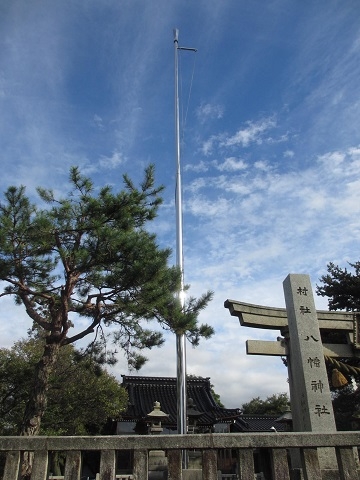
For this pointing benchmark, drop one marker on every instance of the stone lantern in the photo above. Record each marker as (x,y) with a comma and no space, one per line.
(156,416)
(193,415)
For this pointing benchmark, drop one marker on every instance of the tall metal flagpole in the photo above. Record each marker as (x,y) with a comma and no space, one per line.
(180,338)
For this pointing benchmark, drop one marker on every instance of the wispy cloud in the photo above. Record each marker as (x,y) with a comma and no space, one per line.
(288,154)
(113,161)
(259,217)
(271,180)
(252,133)
(209,144)
(209,111)
(198,167)
(98,122)
(231,164)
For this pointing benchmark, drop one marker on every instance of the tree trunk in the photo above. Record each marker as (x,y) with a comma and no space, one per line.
(36,405)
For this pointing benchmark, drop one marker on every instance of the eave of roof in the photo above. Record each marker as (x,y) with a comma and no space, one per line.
(144,391)
(258,423)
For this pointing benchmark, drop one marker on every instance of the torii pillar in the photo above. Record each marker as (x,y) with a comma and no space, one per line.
(309,387)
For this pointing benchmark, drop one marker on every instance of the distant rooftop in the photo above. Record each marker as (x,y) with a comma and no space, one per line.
(145,391)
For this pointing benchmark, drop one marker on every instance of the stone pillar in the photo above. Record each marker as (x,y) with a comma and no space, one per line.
(309,387)
(174,464)
(107,464)
(140,471)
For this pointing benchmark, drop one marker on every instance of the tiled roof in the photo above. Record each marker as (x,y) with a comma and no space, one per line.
(144,391)
(257,423)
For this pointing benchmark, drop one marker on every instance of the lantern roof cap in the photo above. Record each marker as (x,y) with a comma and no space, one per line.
(157,412)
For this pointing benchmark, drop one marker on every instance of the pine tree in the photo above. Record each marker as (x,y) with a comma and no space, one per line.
(88,259)
(342,287)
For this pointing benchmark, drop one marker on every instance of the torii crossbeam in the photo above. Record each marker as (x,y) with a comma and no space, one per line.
(272,318)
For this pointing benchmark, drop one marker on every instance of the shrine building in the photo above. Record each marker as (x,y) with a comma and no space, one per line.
(203,413)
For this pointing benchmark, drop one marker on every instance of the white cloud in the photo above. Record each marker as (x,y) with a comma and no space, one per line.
(98,121)
(199,167)
(112,162)
(200,206)
(209,111)
(354,152)
(197,184)
(253,132)
(288,154)
(333,160)
(263,165)
(207,146)
(245,229)
(250,225)
(230,164)
(281,139)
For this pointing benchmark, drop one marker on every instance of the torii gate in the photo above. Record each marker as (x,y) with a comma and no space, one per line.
(300,325)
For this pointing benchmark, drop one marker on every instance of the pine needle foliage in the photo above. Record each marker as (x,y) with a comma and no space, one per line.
(86,264)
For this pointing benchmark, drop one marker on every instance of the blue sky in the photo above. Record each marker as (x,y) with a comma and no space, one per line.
(270,146)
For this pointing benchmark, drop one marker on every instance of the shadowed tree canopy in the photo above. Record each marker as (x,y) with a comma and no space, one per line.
(82,396)
(273,405)
(85,264)
(342,287)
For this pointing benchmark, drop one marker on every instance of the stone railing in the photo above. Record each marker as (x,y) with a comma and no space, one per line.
(279,448)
